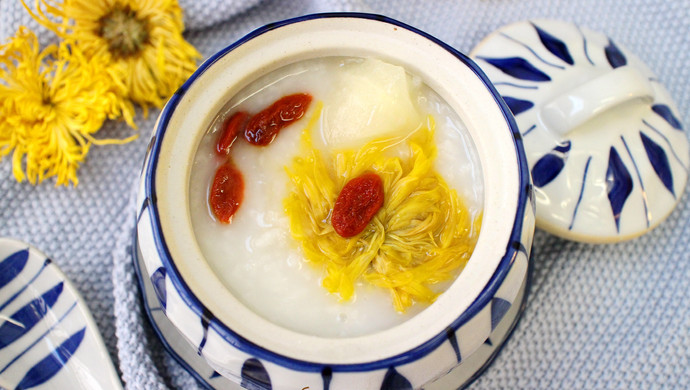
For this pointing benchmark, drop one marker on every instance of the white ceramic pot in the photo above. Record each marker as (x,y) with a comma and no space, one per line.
(481,305)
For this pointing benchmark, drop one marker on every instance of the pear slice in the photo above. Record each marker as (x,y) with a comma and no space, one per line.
(371,99)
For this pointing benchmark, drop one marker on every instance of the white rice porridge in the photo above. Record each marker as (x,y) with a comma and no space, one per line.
(255,256)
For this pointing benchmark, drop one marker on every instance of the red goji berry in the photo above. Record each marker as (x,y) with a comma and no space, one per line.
(265,125)
(233,127)
(358,202)
(227,192)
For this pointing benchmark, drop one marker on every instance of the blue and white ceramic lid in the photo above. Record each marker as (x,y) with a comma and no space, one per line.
(607,152)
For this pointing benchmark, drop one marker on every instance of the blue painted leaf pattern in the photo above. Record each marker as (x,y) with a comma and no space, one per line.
(550,165)
(614,55)
(665,112)
(659,161)
(145,205)
(619,184)
(158,282)
(12,265)
(19,292)
(394,381)
(518,68)
(327,377)
(149,147)
(639,178)
(453,340)
(26,317)
(499,308)
(582,191)
(554,45)
(51,364)
(531,198)
(517,106)
(255,376)
(206,317)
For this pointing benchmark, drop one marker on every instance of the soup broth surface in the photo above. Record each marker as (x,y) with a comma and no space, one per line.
(255,255)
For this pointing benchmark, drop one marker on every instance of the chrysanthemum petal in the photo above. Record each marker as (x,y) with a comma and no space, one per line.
(51,102)
(162,63)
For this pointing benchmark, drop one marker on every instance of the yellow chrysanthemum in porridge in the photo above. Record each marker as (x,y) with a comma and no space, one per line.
(141,41)
(422,235)
(51,102)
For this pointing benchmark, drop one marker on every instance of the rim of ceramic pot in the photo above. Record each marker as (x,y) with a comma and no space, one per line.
(504,170)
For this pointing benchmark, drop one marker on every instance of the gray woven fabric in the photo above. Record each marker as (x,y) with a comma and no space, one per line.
(598,316)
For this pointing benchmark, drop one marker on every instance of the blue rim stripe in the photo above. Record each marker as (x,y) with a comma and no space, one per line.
(247,346)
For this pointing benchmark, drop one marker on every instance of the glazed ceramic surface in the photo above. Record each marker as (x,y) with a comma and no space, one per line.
(608,155)
(48,339)
(464,373)
(244,347)
(173,341)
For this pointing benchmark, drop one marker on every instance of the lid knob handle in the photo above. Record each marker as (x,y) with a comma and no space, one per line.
(598,95)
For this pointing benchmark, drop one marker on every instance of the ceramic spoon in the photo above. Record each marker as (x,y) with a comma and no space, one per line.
(48,338)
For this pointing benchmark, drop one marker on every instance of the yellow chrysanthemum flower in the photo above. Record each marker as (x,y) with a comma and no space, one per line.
(141,41)
(51,101)
(422,235)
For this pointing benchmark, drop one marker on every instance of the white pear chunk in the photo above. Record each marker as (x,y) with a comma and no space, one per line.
(371,99)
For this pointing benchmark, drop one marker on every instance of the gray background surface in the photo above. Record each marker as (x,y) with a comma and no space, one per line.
(598,316)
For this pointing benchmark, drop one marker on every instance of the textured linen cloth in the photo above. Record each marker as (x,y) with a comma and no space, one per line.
(598,316)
